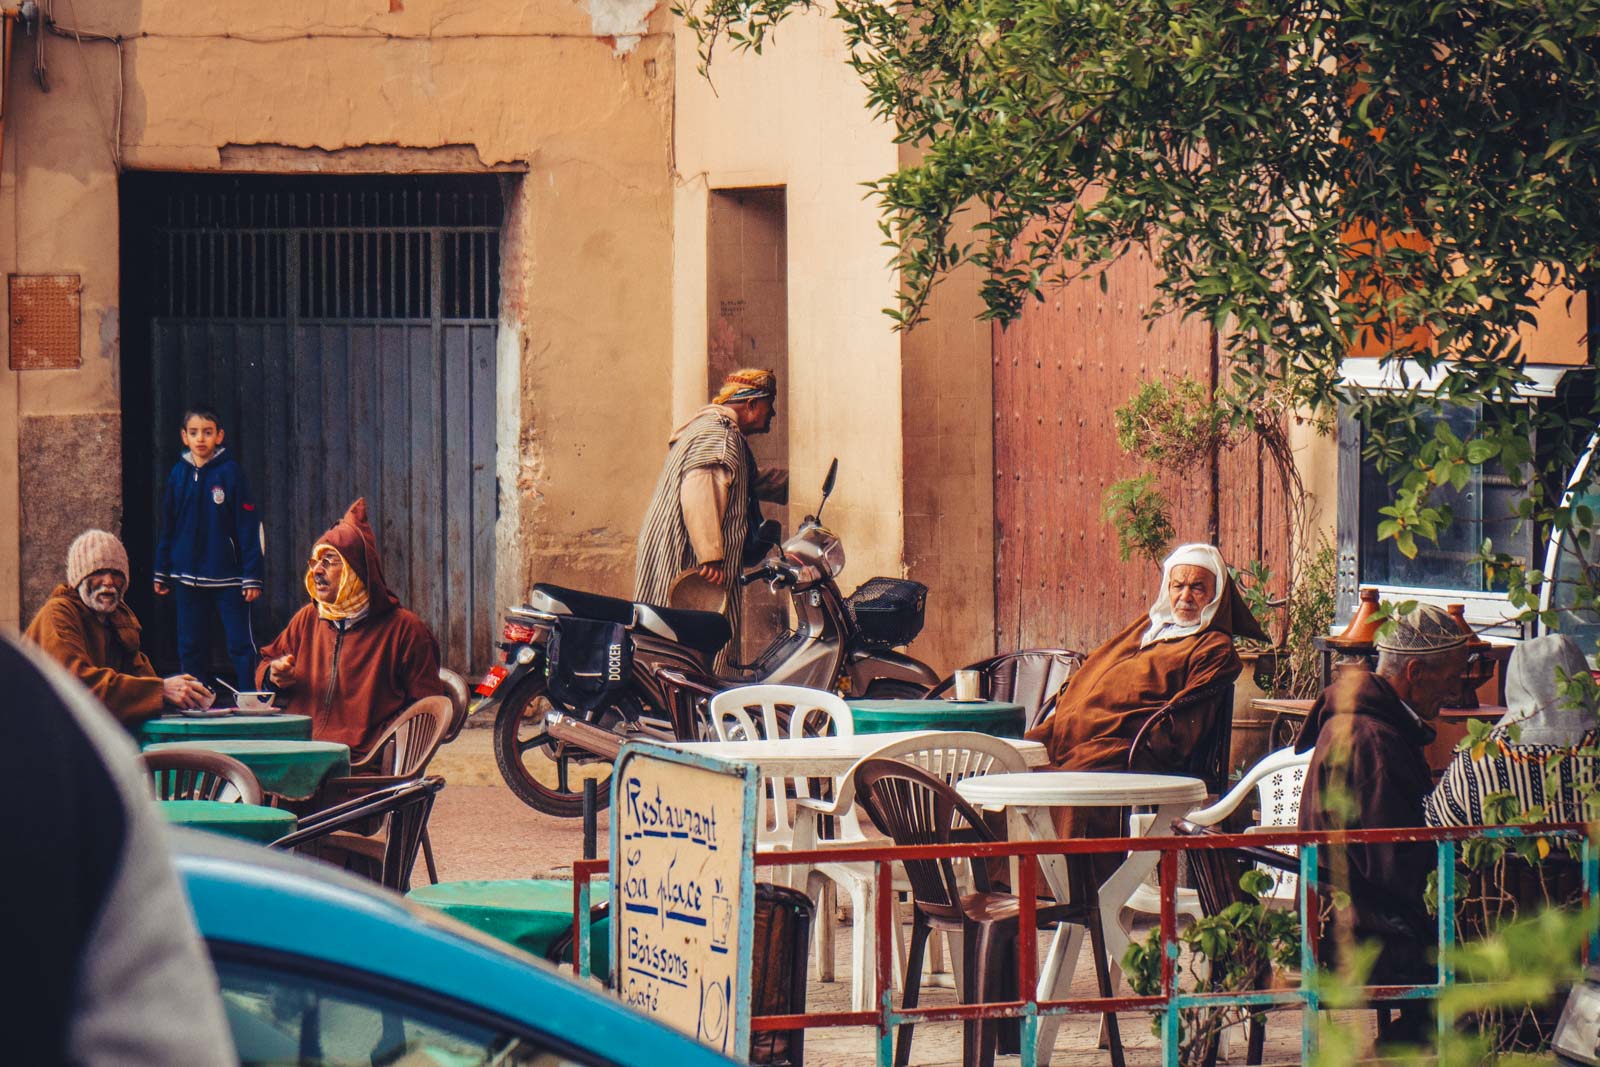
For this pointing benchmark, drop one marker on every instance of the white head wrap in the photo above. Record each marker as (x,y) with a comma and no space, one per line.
(1164,624)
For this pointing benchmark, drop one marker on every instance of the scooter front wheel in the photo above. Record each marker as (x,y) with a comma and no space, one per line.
(545,774)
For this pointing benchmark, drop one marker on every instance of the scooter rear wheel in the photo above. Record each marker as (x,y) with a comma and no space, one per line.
(544,774)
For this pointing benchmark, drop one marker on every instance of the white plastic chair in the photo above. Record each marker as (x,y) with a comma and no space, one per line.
(1277,777)
(731,717)
(950,755)
(1278,795)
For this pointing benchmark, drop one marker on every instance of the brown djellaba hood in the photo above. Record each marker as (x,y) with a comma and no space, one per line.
(353,537)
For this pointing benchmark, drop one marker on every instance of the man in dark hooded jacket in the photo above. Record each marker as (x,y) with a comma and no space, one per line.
(1368,732)
(353,658)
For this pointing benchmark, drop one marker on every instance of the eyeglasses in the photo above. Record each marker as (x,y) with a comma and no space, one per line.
(326,562)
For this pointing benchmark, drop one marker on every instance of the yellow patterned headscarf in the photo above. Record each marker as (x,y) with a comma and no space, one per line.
(751,383)
(351,599)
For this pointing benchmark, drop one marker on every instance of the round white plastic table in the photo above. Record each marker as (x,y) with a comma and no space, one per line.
(826,757)
(1027,800)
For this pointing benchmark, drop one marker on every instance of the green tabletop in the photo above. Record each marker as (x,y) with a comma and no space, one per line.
(981,716)
(252,822)
(528,913)
(232,727)
(287,768)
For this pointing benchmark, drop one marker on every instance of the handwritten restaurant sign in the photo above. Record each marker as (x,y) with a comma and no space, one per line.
(683,886)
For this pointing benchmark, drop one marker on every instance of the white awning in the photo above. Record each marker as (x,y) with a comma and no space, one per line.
(1376,375)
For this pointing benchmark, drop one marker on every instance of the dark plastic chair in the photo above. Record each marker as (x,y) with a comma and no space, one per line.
(400,753)
(688,701)
(1216,873)
(197,775)
(403,809)
(915,808)
(1031,677)
(1207,759)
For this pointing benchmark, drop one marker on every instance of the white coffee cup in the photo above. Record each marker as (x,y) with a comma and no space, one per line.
(969,685)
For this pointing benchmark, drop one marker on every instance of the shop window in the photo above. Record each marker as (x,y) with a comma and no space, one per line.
(1483,509)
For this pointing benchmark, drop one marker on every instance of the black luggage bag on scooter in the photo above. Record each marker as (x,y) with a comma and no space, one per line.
(589,661)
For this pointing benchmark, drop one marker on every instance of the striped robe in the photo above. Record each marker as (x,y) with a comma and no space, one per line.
(710,439)
(1560,780)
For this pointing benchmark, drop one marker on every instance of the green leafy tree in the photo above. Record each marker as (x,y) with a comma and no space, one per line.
(1309,178)
(1411,177)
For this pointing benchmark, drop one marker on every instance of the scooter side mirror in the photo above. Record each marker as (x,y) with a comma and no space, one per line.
(827,487)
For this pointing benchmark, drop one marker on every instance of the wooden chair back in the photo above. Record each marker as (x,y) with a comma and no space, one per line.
(192,774)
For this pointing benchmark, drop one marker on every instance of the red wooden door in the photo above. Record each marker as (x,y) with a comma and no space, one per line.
(1060,371)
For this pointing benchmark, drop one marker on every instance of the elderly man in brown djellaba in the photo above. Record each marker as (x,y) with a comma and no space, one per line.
(1178,653)
(353,659)
(706,508)
(1367,734)
(86,627)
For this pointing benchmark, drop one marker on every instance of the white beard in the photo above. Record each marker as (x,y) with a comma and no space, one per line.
(100,601)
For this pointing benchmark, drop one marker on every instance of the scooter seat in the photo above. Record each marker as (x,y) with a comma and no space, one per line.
(555,600)
(703,631)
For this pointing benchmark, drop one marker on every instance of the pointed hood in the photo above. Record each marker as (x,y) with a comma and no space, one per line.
(355,541)
(1361,692)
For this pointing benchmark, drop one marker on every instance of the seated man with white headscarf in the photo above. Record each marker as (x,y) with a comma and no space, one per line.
(1529,764)
(1179,653)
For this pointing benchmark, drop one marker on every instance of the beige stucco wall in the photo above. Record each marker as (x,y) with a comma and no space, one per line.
(578,95)
(795,116)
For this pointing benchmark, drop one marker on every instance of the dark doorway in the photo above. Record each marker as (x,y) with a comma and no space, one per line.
(344,328)
(747,303)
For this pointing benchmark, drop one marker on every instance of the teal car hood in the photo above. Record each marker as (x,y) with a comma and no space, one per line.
(251,896)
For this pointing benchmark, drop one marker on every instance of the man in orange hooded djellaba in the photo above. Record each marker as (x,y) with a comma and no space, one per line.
(353,658)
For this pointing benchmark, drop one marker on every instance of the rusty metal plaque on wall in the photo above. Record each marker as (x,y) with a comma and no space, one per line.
(44,321)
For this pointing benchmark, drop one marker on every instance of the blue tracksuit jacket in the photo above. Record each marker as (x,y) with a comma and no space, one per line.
(210,532)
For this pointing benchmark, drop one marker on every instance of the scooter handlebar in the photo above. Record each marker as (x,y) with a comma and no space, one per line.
(771,571)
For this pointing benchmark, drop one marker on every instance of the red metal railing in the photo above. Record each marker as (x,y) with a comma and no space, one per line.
(1030,1009)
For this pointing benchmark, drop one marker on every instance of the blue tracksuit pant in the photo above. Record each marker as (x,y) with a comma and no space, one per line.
(195,612)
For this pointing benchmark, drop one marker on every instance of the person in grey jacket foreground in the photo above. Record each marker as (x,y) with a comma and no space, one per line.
(107,966)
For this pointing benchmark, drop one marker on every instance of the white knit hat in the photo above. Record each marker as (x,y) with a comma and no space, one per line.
(95,550)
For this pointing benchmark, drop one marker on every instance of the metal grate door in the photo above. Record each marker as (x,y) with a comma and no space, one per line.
(345,329)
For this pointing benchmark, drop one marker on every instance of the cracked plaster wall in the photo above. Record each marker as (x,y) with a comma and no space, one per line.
(575,93)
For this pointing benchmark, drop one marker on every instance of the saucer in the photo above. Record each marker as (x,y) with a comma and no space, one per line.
(205,713)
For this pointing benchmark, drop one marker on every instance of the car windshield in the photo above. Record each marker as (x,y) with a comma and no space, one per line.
(279,1016)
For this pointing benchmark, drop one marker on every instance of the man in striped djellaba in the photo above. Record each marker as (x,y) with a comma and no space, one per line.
(706,506)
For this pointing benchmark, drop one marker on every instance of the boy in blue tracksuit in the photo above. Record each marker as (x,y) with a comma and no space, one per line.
(209,552)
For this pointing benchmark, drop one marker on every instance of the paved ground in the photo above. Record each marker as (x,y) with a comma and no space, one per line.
(480,830)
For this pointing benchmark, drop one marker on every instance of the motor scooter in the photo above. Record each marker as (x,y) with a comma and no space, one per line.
(837,643)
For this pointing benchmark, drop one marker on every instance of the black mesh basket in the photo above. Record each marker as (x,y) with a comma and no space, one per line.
(888,611)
